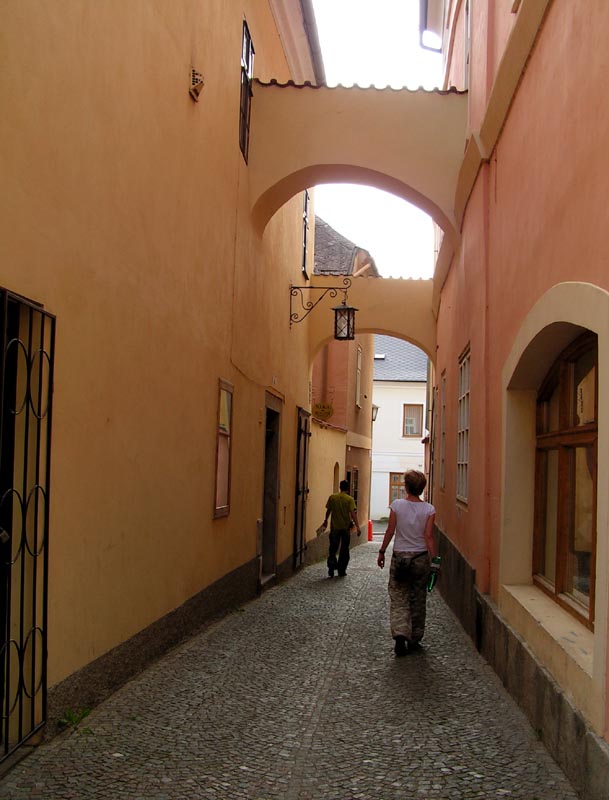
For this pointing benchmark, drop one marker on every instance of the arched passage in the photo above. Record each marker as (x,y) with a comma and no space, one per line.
(304,135)
(283,190)
(392,306)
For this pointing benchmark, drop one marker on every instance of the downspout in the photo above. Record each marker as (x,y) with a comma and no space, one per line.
(308,16)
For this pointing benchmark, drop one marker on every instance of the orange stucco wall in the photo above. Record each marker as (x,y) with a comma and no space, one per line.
(125,211)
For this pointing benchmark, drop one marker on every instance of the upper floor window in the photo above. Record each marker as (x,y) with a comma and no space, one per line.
(412,420)
(247,75)
(564,544)
(305,233)
(463,427)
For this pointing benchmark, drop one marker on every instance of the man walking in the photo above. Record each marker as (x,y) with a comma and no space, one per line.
(344,514)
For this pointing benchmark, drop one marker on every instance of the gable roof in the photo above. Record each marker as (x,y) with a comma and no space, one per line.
(335,254)
(403,361)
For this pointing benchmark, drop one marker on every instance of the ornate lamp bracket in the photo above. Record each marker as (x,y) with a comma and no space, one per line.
(301,308)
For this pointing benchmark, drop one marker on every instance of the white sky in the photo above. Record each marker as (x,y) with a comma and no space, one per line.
(376,42)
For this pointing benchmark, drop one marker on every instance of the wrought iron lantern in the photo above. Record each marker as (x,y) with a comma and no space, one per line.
(344,322)
(344,314)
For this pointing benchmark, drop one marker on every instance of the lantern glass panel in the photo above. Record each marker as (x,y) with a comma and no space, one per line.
(344,322)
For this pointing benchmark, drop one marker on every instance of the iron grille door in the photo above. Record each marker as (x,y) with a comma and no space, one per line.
(26,380)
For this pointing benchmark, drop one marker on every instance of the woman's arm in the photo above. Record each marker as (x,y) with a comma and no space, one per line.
(387,538)
(429,540)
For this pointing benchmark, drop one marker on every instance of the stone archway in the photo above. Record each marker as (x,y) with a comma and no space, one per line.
(407,142)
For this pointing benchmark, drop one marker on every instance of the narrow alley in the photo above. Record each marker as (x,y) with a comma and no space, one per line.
(298,696)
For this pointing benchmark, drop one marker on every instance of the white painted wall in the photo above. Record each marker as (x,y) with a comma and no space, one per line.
(392,452)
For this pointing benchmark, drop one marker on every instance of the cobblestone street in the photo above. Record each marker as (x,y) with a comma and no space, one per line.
(299,696)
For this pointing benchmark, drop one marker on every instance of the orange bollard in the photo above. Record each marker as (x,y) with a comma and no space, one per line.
(370,537)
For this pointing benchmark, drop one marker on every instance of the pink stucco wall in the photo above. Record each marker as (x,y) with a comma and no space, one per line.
(537,216)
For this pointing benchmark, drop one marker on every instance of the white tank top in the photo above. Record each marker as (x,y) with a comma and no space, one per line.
(411,518)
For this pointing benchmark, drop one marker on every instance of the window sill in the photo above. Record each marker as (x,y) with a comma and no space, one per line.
(556,624)
(562,644)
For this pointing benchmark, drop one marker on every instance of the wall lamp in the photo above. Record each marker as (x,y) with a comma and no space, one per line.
(344,315)
(375,411)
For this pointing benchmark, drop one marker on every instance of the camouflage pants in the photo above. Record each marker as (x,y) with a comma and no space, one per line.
(408,599)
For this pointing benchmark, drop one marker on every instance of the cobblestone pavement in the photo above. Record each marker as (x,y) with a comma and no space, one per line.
(298,696)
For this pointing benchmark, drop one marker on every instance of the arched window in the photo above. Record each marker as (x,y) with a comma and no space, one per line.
(564,542)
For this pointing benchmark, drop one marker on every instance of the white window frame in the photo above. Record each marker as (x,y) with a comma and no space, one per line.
(418,432)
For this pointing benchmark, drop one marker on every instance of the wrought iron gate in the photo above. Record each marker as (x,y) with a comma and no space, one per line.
(27,335)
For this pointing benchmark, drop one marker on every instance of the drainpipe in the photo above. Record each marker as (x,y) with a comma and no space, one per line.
(308,16)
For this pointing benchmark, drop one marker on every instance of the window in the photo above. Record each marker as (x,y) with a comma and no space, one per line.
(413,420)
(564,542)
(463,427)
(223,449)
(443,430)
(305,234)
(358,379)
(397,490)
(353,478)
(247,74)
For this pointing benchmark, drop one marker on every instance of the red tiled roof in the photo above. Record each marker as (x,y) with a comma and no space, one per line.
(334,253)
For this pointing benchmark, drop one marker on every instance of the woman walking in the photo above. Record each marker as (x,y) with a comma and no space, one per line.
(412,522)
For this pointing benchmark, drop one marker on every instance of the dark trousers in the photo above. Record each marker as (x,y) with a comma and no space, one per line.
(339,543)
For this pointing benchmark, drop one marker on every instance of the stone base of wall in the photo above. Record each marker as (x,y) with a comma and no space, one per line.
(98,680)
(581,754)
(317,549)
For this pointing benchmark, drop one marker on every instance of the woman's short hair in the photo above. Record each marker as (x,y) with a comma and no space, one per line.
(415,482)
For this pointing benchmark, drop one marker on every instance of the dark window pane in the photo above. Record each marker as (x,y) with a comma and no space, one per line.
(577,583)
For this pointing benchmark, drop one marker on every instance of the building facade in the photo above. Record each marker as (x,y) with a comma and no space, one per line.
(400,395)
(156,406)
(520,418)
(139,312)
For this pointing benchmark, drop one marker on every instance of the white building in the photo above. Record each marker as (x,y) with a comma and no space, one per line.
(399,391)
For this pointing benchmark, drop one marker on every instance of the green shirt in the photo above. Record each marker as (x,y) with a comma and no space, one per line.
(340,505)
